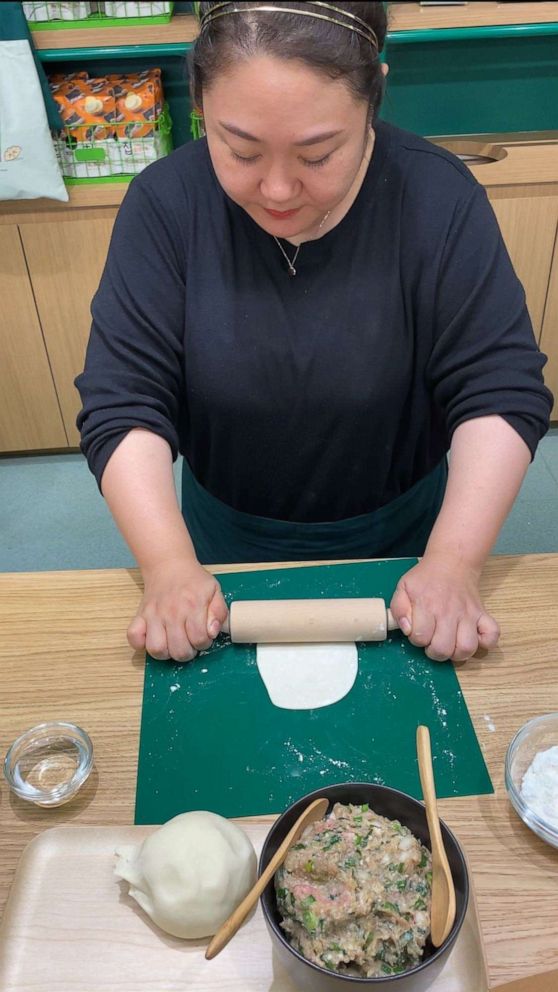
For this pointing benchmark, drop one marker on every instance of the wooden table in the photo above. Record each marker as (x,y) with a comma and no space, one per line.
(64,655)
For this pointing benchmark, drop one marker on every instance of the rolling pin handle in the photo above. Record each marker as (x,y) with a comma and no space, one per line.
(226,625)
(391,621)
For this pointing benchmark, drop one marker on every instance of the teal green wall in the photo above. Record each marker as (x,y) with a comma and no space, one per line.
(474,85)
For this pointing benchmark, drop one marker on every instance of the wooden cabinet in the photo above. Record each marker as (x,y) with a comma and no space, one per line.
(51,259)
(523,189)
(65,260)
(29,412)
(528,225)
(522,185)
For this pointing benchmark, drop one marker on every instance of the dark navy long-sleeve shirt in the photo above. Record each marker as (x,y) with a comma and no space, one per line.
(324,395)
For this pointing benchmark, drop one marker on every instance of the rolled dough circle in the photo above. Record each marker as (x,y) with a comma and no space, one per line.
(307,676)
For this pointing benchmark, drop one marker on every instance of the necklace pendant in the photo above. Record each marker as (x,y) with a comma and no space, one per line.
(292,270)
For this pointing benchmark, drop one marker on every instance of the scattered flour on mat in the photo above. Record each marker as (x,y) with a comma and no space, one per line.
(290,747)
(337,762)
(174,687)
(450,756)
(315,757)
(440,710)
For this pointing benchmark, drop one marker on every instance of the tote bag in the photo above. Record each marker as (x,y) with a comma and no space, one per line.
(28,165)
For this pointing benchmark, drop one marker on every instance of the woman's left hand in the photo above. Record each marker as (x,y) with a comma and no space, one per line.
(438,606)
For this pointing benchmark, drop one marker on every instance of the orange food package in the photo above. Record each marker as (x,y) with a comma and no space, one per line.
(64,77)
(139,102)
(87,106)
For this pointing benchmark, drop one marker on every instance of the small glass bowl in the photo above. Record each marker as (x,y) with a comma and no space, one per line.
(536,735)
(49,763)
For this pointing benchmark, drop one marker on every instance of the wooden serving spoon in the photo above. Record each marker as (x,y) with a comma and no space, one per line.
(315,811)
(442,911)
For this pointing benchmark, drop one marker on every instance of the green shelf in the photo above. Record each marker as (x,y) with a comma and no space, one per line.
(99,181)
(112,52)
(99,22)
(490,31)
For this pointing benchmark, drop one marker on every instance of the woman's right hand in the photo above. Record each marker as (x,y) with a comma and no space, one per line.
(181,612)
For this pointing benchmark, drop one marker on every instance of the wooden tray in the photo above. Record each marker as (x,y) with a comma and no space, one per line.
(70,926)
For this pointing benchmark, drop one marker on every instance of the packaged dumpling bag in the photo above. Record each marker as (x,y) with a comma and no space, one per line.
(28,165)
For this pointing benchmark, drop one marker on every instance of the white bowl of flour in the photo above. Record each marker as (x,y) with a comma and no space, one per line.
(532,776)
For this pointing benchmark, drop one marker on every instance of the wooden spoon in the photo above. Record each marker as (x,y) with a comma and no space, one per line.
(315,811)
(442,912)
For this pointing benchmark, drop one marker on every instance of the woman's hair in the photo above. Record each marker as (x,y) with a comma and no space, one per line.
(338,51)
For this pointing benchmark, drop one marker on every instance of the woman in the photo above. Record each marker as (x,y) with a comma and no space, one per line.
(312,306)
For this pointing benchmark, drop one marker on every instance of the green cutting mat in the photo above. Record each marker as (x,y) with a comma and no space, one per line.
(211,739)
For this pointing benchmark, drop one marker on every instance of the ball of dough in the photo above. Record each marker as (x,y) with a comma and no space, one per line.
(190,874)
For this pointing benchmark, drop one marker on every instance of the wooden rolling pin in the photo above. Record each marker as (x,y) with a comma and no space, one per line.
(289,621)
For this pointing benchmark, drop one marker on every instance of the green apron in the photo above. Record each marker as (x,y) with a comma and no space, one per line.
(223,535)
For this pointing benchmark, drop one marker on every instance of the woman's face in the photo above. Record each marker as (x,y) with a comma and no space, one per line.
(286,142)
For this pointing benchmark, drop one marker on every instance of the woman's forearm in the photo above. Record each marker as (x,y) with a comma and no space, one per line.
(437,603)
(488,461)
(138,485)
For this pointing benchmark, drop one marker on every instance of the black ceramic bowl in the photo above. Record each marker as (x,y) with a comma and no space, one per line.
(396,806)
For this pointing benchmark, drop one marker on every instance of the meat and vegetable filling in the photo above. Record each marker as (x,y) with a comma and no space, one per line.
(354,893)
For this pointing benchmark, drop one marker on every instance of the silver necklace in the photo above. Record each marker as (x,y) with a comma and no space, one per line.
(291,263)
